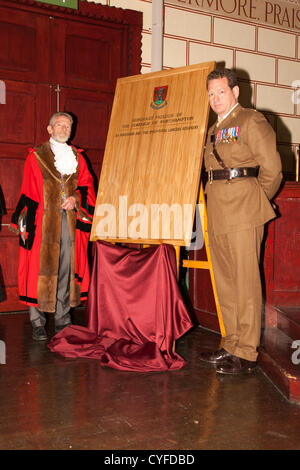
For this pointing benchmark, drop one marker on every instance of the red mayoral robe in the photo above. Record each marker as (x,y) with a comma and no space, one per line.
(39,207)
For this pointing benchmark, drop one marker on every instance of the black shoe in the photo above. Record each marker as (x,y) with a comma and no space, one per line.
(58,328)
(39,333)
(215,357)
(236,366)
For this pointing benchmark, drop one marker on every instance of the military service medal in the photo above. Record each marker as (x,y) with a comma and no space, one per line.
(228,135)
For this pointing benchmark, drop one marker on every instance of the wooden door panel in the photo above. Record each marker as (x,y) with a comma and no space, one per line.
(18,119)
(44,109)
(24,47)
(9,264)
(92,113)
(19,106)
(11,170)
(287,236)
(86,56)
(23,122)
(12,158)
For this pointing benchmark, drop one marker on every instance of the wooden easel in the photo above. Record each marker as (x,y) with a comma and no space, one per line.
(204,264)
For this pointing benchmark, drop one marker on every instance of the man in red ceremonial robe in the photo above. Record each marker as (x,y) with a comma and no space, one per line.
(53,219)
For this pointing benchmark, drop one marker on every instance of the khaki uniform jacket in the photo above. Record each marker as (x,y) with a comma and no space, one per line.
(244,202)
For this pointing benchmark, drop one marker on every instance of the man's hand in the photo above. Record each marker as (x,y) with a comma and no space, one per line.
(69,204)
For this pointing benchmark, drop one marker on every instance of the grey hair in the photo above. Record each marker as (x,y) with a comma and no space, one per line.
(61,113)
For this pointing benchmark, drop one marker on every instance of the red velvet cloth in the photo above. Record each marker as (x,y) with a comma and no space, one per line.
(135,311)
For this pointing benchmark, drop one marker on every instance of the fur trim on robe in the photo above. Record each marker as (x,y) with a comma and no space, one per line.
(51,230)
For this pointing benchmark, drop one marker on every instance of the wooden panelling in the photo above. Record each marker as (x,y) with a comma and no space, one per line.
(13,55)
(11,170)
(282,252)
(92,112)
(287,235)
(24,43)
(18,115)
(89,108)
(86,56)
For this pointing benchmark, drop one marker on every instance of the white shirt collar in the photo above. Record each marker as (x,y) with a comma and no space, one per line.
(224,117)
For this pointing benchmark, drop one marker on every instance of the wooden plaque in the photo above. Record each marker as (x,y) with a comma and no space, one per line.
(151,169)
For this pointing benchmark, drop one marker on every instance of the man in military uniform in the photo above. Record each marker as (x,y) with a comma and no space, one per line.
(244,173)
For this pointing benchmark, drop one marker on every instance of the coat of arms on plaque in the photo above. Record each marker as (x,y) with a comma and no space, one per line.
(159,97)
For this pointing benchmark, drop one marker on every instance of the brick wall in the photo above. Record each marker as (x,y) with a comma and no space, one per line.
(266,57)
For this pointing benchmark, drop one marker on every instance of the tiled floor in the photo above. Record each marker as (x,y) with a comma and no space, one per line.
(49,402)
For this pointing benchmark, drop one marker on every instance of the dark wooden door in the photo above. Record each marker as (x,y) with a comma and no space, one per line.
(53,58)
